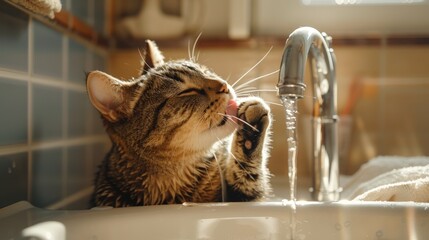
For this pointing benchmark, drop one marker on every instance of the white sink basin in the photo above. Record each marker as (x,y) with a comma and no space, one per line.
(268,220)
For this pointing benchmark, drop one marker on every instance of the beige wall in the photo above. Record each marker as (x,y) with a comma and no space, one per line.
(383,89)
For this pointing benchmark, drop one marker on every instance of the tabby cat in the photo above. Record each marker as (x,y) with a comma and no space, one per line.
(179,134)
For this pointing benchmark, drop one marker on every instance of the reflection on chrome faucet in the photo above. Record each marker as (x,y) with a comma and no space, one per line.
(303,42)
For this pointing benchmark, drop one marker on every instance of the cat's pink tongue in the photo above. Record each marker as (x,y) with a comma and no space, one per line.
(231,109)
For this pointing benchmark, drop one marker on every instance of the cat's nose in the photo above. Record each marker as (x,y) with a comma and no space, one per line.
(217,86)
(223,88)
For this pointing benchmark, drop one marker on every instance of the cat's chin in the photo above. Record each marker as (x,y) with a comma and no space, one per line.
(205,140)
(223,131)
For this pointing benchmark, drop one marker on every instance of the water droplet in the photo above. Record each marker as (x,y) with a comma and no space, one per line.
(347,224)
(379,234)
(338,227)
(285,202)
(293,206)
(9,170)
(13,164)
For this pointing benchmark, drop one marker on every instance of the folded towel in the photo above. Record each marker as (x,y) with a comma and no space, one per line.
(390,179)
(43,7)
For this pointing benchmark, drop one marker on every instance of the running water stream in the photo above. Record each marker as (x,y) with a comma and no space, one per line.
(290,106)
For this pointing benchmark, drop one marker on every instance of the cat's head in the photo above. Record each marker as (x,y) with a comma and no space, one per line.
(175,104)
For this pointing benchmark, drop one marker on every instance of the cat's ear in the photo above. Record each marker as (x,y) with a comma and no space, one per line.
(113,98)
(152,57)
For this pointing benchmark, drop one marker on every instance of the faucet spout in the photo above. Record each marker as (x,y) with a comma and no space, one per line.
(303,43)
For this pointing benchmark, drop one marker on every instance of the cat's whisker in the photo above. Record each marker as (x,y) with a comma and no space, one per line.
(207,173)
(243,95)
(222,178)
(231,122)
(245,89)
(241,120)
(189,50)
(273,103)
(247,92)
(241,166)
(142,60)
(258,90)
(242,76)
(256,79)
(227,78)
(198,56)
(230,153)
(229,119)
(140,53)
(144,63)
(193,59)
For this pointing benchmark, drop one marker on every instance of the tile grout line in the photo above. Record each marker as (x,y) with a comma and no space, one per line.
(47,81)
(19,148)
(91,10)
(30,108)
(64,175)
(89,150)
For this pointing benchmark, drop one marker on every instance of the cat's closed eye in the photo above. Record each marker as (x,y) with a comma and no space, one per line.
(191,91)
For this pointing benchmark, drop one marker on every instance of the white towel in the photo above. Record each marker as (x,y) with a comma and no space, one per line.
(43,7)
(390,179)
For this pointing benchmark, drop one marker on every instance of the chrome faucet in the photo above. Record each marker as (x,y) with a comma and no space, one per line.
(303,42)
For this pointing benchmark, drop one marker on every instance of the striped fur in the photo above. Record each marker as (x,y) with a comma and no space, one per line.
(170,141)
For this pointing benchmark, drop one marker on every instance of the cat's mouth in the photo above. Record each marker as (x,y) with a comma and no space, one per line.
(230,112)
(224,119)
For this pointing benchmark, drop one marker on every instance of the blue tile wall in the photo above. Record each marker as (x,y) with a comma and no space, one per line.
(79,169)
(97,123)
(78,114)
(99,151)
(14,44)
(98,62)
(80,9)
(78,62)
(47,113)
(13,178)
(48,52)
(51,138)
(99,18)
(92,12)
(47,177)
(14,110)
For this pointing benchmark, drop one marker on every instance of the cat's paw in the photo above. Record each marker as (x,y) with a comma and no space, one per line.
(255,119)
